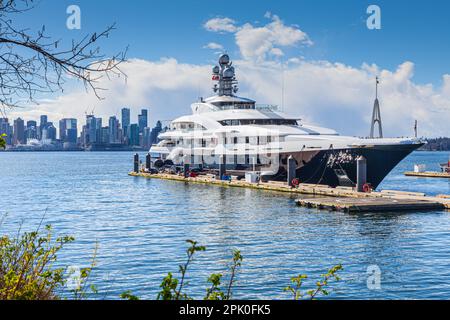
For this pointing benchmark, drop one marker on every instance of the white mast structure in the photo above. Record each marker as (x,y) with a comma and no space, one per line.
(376,114)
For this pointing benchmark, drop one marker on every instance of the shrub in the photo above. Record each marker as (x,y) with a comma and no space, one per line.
(27,269)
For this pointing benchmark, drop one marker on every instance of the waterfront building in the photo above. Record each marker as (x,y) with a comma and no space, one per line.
(143,120)
(71,137)
(125,121)
(48,133)
(31,131)
(146,134)
(42,125)
(134,135)
(155,132)
(114,130)
(91,130)
(104,135)
(19,132)
(64,126)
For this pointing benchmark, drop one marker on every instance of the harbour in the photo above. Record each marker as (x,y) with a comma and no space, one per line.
(140,226)
(224,158)
(345,199)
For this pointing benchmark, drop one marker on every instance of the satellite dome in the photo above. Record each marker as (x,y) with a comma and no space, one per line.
(216,70)
(224,59)
(228,73)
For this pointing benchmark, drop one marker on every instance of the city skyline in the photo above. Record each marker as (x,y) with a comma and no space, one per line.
(23,132)
(318,60)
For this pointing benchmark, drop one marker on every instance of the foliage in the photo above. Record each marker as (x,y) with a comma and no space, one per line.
(237,260)
(2,141)
(321,285)
(26,266)
(27,272)
(171,288)
(214,292)
(27,269)
(127,295)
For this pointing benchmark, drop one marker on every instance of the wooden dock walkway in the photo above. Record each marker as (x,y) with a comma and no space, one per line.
(345,197)
(427,174)
(356,205)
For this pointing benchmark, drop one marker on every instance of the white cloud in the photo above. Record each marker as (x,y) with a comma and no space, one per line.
(329,94)
(257,43)
(325,93)
(213,46)
(220,25)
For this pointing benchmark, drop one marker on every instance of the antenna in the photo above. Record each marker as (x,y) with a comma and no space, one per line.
(282,86)
(376,114)
(415,128)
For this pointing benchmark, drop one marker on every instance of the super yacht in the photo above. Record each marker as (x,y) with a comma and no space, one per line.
(245,136)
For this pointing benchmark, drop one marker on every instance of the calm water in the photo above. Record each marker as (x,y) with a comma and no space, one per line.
(140,227)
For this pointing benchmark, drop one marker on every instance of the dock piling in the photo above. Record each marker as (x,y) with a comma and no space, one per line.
(136,163)
(361,173)
(148,161)
(291,170)
(186,163)
(222,164)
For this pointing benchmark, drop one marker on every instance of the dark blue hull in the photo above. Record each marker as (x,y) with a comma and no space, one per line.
(338,167)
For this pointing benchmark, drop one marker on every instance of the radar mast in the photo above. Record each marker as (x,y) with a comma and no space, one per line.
(224,74)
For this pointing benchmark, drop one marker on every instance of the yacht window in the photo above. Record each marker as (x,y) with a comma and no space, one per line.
(278,122)
(235,140)
(247,139)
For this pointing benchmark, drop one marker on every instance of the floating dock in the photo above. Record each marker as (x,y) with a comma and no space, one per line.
(339,198)
(352,205)
(427,174)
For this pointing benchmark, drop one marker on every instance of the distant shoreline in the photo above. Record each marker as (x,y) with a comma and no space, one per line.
(29,151)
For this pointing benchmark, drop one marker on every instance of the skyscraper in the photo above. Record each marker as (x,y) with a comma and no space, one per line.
(155,132)
(19,132)
(51,131)
(143,120)
(42,125)
(92,130)
(114,127)
(31,130)
(125,120)
(64,126)
(134,135)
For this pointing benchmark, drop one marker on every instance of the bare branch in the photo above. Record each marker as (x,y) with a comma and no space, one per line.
(35,64)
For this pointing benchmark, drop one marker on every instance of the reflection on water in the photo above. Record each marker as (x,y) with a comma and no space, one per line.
(140,226)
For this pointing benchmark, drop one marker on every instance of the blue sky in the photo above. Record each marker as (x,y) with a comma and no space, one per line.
(329,80)
(411,30)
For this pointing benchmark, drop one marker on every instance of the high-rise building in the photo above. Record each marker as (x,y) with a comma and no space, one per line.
(71,135)
(64,126)
(42,125)
(146,134)
(104,135)
(133,135)
(125,121)
(143,120)
(19,132)
(6,128)
(155,132)
(49,132)
(91,130)
(114,127)
(31,130)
